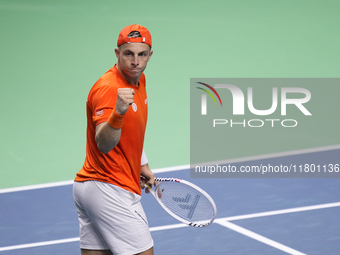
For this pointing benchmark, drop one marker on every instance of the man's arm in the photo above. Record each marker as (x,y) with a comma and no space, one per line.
(107,137)
(147,177)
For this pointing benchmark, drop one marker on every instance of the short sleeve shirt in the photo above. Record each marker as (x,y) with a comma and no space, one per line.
(122,165)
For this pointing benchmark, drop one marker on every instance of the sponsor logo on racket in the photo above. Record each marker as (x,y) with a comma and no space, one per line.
(186,200)
(182,199)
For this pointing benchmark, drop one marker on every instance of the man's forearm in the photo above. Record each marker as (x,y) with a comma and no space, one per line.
(107,137)
(108,133)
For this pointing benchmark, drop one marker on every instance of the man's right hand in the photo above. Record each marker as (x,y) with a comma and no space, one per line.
(124,99)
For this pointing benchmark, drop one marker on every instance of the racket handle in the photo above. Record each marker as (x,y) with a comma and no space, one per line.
(151,190)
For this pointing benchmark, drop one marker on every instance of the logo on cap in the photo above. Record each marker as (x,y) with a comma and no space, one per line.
(145,36)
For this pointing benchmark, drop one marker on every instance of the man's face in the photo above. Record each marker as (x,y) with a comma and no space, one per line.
(133,58)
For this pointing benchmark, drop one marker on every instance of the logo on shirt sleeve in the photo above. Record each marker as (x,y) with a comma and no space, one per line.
(99,113)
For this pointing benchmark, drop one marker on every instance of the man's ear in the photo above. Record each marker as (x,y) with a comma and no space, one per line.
(117,52)
(150,54)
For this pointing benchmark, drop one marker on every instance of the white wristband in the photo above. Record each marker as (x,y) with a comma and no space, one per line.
(144,159)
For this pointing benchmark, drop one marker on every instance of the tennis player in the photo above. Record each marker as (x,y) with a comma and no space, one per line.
(107,189)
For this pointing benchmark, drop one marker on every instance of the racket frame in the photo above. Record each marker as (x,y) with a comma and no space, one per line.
(198,224)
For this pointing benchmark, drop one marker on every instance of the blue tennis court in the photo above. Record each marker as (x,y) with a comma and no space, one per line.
(255,216)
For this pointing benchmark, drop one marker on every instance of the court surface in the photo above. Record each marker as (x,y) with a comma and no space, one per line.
(255,216)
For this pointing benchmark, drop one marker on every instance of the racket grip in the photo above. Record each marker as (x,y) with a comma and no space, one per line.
(151,190)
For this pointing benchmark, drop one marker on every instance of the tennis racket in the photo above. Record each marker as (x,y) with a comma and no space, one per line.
(185,201)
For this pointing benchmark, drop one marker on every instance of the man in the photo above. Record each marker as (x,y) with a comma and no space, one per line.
(107,189)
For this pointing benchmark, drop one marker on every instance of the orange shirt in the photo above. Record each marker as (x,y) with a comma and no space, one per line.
(122,165)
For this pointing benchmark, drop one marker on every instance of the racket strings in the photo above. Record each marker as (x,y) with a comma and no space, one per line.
(185,201)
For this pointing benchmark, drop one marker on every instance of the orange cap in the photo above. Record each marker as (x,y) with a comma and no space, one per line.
(124,38)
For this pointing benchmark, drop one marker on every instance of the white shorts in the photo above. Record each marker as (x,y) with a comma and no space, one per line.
(111,218)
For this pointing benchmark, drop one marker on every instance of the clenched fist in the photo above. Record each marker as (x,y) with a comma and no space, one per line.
(124,99)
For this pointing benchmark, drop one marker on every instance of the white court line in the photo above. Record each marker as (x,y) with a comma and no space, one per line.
(167,227)
(184,167)
(63,183)
(273,155)
(170,169)
(258,237)
(37,186)
(276,212)
(31,245)
(76,239)
(222,221)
